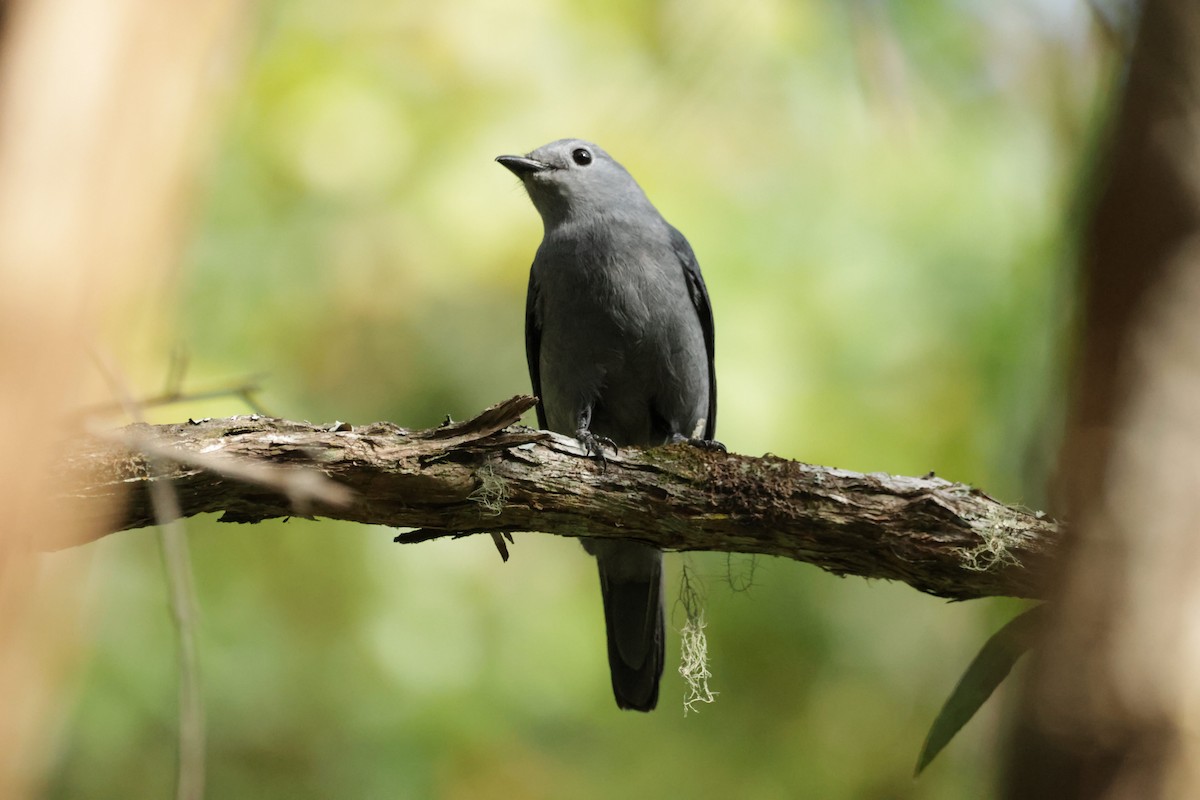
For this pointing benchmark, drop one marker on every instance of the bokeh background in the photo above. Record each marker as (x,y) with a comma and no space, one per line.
(881,197)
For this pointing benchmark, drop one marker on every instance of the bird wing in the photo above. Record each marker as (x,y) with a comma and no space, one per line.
(699,295)
(533,346)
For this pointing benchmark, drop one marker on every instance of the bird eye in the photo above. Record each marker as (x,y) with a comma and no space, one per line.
(582,156)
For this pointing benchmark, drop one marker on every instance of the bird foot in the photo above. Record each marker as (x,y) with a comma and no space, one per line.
(594,445)
(712,445)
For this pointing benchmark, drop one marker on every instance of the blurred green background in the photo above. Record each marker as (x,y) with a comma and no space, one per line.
(878,194)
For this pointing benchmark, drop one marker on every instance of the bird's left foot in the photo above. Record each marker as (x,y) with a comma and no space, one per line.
(704,444)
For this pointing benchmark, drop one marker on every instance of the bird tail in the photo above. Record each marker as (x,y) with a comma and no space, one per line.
(631,586)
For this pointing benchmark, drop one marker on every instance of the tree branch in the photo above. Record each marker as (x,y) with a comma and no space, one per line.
(489,475)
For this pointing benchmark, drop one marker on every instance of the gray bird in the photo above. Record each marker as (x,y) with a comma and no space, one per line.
(619,339)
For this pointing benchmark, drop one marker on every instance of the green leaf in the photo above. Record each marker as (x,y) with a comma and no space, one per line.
(986,672)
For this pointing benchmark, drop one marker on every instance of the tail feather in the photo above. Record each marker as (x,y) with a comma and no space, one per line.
(631,587)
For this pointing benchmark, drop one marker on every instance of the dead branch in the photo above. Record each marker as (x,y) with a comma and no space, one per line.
(487,475)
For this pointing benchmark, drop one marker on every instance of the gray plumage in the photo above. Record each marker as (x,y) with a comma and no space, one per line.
(619,340)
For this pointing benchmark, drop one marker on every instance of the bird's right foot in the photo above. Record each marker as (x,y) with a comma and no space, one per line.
(594,445)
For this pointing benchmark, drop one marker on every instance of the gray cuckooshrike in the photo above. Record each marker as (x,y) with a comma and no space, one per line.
(619,339)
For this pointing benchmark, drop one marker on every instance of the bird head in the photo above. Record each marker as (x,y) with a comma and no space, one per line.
(574,180)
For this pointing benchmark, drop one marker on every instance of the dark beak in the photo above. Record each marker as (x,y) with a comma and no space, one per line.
(522,166)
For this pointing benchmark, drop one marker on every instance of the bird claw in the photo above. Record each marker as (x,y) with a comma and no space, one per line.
(594,445)
(711,445)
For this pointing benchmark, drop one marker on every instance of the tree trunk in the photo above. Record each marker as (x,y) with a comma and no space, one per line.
(1110,704)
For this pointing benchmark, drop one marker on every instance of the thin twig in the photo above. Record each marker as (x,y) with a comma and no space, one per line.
(178,566)
(245,391)
(181,596)
(303,488)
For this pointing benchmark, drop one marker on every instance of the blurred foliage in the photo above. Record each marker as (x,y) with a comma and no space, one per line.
(877,193)
(987,672)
